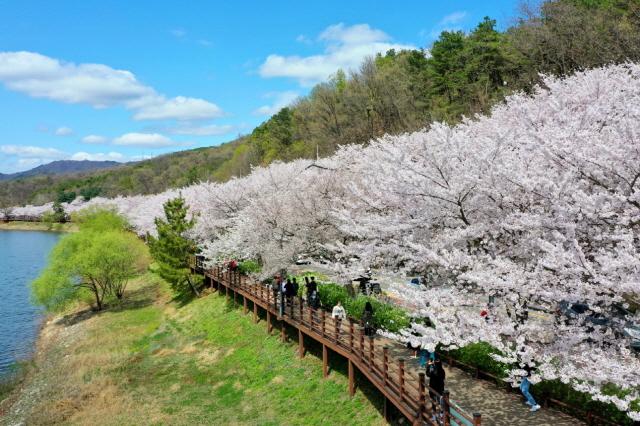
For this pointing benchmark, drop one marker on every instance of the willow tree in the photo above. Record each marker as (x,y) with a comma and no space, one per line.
(171,249)
(96,263)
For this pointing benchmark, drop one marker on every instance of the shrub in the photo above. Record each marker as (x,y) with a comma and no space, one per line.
(249,267)
(330,294)
(479,355)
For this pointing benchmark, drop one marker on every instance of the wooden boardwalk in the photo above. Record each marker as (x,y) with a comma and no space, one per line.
(402,387)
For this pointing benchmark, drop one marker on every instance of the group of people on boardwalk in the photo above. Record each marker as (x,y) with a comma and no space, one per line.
(285,290)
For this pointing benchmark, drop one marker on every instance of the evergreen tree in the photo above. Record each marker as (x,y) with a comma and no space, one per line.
(171,249)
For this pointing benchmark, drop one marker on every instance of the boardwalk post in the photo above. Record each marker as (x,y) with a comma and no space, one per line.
(235,294)
(422,408)
(322,318)
(352,385)
(269,326)
(244,305)
(301,307)
(361,344)
(446,408)
(300,344)
(350,334)
(385,409)
(292,303)
(401,377)
(371,355)
(385,365)
(255,312)
(325,361)
(477,419)
(283,331)
(336,329)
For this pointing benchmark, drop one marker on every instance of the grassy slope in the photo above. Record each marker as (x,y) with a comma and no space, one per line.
(153,361)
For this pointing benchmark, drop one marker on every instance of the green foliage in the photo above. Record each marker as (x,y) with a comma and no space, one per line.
(479,355)
(56,215)
(385,315)
(400,91)
(97,262)
(90,192)
(249,267)
(330,294)
(99,219)
(65,197)
(171,249)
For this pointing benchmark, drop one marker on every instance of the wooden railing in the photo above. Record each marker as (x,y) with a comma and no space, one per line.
(405,389)
(588,416)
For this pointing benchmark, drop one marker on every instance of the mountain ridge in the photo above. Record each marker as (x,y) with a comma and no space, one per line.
(61,167)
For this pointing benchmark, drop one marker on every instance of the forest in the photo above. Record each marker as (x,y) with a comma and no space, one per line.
(459,75)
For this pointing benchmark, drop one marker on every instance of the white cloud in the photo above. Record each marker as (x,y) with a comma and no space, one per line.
(345,48)
(94,139)
(148,140)
(98,85)
(179,108)
(19,157)
(453,18)
(303,39)
(28,151)
(178,32)
(110,156)
(63,131)
(450,22)
(205,42)
(281,100)
(209,130)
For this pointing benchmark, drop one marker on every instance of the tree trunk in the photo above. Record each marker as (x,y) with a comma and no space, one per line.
(193,288)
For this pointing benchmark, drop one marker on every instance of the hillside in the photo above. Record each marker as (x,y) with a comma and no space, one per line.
(61,167)
(203,362)
(144,177)
(464,74)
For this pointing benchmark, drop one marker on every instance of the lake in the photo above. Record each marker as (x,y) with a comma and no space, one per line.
(23,254)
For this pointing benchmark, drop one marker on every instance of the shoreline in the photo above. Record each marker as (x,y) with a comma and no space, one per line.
(37,226)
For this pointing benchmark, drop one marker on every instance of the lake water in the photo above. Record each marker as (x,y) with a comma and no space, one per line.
(23,254)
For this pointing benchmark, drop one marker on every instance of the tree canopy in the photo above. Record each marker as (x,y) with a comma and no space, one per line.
(92,264)
(171,248)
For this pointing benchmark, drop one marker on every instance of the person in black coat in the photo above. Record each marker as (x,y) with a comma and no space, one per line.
(367,320)
(436,375)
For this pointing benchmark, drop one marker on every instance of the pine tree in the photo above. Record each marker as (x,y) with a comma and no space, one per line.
(171,249)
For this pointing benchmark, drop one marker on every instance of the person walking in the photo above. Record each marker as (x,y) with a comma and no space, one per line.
(289,291)
(436,374)
(338,313)
(367,320)
(525,384)
(275,286)
(295,286)
(282,290)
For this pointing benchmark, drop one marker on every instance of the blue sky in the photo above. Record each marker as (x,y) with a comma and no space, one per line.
(126,80)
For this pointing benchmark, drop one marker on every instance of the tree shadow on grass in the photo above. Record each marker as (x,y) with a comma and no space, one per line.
(135,299)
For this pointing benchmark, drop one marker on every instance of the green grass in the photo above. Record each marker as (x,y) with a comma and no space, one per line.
(152,360)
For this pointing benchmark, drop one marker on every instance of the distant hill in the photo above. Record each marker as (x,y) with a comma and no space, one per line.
(61,167)
(109,179)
